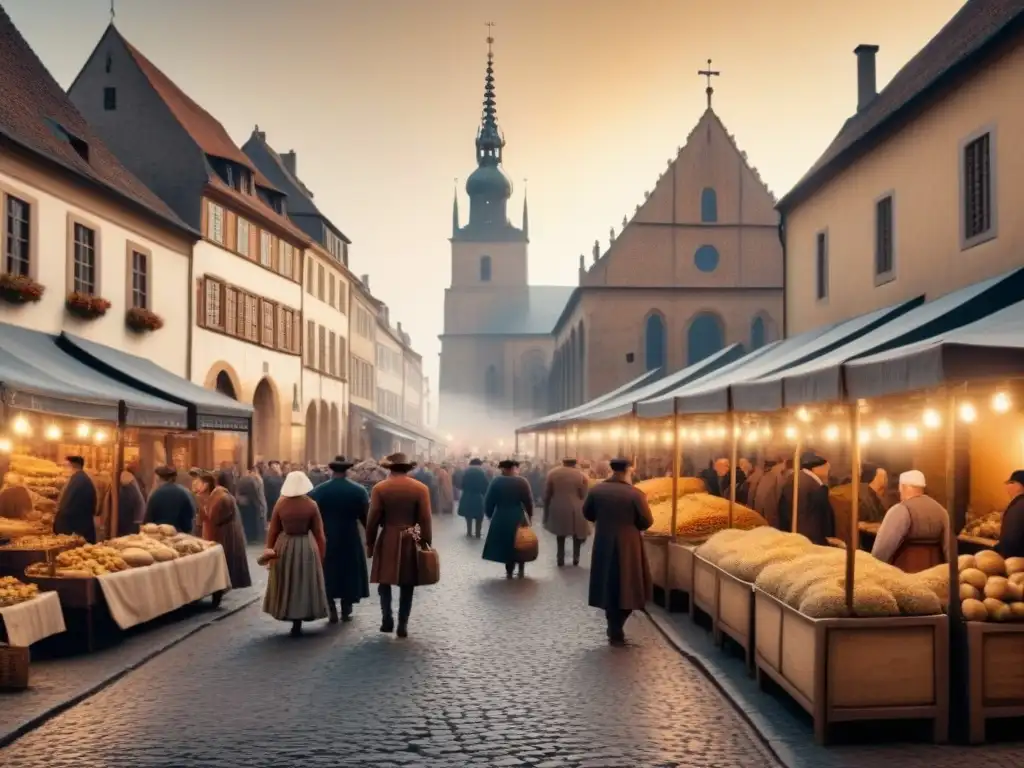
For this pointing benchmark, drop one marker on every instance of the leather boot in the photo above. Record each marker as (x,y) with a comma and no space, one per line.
(346,610)
(560,550)
(404,609)
(332,612)
(577,545)
(387,623)
(522,570)
(469,527)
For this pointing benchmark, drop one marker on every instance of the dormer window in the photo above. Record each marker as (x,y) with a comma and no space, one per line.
(81,146)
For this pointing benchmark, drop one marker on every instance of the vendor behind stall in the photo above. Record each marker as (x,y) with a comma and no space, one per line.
(171,503)
(913,533)
(814,513)
(1011,538)
(77,505)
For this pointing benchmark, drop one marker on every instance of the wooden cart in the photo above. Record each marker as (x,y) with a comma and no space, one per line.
(841,670)
(995,654)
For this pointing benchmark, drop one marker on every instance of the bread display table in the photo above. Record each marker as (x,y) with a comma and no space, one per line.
(995,655)
(33,620)
(841,670)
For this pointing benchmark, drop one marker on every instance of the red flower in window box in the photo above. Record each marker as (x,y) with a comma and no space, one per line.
(143,320)
(19,289)
(86,306)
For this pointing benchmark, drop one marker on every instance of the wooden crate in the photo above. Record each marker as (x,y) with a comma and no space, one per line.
(841,670)
(734,613)
(995,654)
(656,548)
(704,597)
(680,572)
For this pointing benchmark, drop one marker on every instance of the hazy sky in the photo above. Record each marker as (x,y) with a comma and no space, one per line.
(381,99)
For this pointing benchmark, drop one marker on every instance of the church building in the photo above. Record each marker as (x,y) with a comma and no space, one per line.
(698,267)
(497,346)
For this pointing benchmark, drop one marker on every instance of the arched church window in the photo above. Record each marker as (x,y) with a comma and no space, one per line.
(757,333)
(654,341)
(706,258)
(705,337)
(485,269)
(708,206)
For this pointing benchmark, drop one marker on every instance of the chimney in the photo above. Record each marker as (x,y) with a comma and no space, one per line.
(365,280)
(866,86)
(289,159)
(398,325)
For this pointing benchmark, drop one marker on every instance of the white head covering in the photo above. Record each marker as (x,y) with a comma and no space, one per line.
(913,478)
(296,484)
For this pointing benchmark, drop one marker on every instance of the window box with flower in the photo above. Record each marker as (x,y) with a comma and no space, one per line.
(86,306)
(19,289)
(143,320)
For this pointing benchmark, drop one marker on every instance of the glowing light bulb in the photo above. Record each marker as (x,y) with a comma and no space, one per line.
(667,437)
(884,430)
(721,432)
(53,432)
(1001,402)
(803,414)
(832,433)
(83,430)
(635,433)
(791,433)
(709,433)
(766,432)
(683,433)
(753,435)
(5,445)
(21,426)
(968,413)
(615,433)
(910,432)
(736,431)
(931,419)
(864,436)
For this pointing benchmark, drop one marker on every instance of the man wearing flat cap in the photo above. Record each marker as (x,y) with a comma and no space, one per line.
(76,508)
(344,504)
(814,516)
(564,491)
(913,532)
(620,576)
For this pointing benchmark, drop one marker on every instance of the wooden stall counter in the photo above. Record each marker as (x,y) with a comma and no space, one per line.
(680,574)
(656,549)
(843,670)
(995,674)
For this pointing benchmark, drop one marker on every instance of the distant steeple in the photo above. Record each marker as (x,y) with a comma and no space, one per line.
(455,209)
(526,213)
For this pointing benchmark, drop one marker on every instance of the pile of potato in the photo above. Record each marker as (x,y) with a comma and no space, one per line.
(991,588)
(812,579)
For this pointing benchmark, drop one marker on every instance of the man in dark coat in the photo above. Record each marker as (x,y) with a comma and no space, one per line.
(429,479)
(620,576)
(171,503)
(716,477)
(814,515)
(1011,537)
(474,488)
(76,509)
(344,504)
(272,483)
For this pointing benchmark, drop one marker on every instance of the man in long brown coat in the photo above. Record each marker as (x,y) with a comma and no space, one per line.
(620,577)
(564,491)
(396,505)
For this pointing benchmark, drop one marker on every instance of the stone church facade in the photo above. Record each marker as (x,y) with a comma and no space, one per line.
(698,267)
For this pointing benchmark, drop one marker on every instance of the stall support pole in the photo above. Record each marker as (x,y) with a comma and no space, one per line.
(675,468)
(854,539)
(536,446)
(733,458)
(115,483)
(634,435)
(796,484)
(516,445)
(958,672)
(576,442)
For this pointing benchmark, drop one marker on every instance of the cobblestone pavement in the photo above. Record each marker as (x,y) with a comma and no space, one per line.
(494,673)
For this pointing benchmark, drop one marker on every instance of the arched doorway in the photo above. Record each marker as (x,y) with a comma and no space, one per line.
(224,385)
(335,434)
(323,443)
(311,431)
(705,337)
(266,427)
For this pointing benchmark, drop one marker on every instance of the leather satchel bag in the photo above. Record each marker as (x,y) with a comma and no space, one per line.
(428,563)
(527,545)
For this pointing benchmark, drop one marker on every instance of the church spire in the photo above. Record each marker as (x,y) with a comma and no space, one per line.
(526,214)
(455,209)
(489,141)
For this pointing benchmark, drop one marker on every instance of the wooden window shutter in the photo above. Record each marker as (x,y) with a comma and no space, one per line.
(200,302)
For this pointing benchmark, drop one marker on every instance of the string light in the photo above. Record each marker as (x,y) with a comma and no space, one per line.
(968,413)
(667,437)
(1001,402)
(910,432)
(931,419)
(709,433)
(832,433)
(83,430)
(803,414)
(736,431)
(864,436)
(683,433)
(721,432)
(5,445)
(884,430)
(21,426)
(696,436)
(615,433)
(766,432)
(53,432)
(791,433)
(753,435)
(635,433)
(651,437)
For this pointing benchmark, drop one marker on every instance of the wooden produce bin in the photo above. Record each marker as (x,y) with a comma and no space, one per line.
(656,549)
(734,613)
(841,670)
(680,573)
(704,597)
(995,655)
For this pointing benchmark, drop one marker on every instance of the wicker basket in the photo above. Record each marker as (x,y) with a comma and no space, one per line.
(14,664)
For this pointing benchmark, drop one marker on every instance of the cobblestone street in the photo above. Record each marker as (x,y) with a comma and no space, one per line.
(494,673)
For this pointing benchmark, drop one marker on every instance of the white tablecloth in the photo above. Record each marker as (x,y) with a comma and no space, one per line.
(142,594)
(33,620)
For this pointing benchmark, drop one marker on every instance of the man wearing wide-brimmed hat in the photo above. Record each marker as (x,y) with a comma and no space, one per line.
(620,576)
(814,516)
(509,506)
(344,504)
(397,505)
(564,491)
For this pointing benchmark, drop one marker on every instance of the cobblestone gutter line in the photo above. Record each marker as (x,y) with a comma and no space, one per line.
(53,711)
(760,725)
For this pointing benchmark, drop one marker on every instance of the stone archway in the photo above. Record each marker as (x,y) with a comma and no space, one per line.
(311,431)
(221,377)
(224,385)
(266,426)
(323,443)
(335,433)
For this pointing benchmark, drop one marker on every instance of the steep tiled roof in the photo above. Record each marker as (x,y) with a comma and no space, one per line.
(204,128)
(532,312)
(977,26)
(36,114)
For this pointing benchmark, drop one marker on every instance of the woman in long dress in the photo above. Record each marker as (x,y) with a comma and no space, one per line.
(223,524)
(509,506)
(295,589)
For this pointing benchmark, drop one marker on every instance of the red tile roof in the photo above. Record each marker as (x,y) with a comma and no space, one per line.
(204,128)
(977,26)
(34,111)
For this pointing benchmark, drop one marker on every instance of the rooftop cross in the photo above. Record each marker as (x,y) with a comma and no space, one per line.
(113,12)
(490,36)
(709,73)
